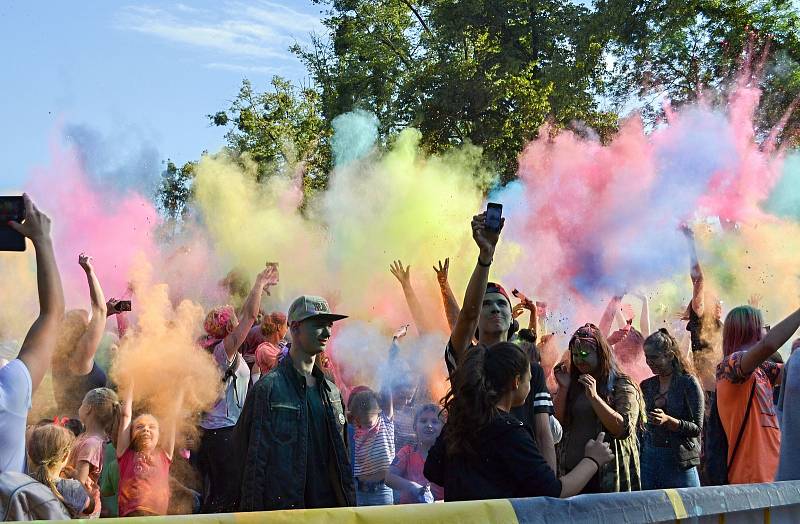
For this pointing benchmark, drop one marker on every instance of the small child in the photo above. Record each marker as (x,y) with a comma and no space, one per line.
(374,446)
(405,474)
(48,450)
(143,463)
(100,414)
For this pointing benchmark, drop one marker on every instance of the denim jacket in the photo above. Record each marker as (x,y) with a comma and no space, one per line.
(684,402)
(271,441)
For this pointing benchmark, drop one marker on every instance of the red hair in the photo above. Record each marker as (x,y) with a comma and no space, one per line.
(742,329)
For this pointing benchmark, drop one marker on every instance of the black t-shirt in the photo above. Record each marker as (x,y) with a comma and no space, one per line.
(539,399)
(507,465)
(695,328)
(69,389)
(319,492)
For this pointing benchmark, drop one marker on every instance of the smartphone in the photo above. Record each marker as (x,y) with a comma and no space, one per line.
(494,212)
(123,305)
(277,274)
(11,208)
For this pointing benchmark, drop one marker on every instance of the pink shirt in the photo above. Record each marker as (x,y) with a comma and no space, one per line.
(89,448)
(409,464)
(143,482)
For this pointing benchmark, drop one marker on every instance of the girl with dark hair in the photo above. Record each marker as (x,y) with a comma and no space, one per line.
(594,396)
(675,407)
(486,453)
(745,379)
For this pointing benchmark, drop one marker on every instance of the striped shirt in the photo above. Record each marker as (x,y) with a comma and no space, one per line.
(374,448)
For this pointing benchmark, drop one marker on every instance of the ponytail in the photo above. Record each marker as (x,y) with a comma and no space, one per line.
(476,386)
(107,410)
(49,445)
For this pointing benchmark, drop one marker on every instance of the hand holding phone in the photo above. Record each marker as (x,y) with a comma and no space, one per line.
(12,209)
(494,215)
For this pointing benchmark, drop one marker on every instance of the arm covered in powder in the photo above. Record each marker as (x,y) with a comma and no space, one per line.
(451,307)
(403,275)
(83,358)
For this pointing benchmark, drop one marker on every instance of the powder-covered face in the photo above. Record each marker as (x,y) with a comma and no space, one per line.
(144,433)
(585,357)
(428,427)
(495,314)
(659,362)
(311,336)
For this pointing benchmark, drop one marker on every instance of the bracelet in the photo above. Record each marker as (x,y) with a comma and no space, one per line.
(480,263)
(593,460)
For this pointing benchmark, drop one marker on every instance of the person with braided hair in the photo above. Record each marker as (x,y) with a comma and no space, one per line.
(675,406)
(483,451)
(48,449)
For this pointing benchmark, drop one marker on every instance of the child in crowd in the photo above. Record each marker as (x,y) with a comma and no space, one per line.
(100,414)
(144,461)
(405,474)
(374,446)
(48,449)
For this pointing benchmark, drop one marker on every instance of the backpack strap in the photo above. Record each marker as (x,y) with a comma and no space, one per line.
(744,423)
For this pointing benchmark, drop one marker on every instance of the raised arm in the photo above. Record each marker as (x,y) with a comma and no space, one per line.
(172,428)
(608,315)
(451,307)
(126,417)
(86,348)
(234,339)
(37,349)
(644,318)
(386,398)
(467,321)
(772,341)
(696,272)
(403,275)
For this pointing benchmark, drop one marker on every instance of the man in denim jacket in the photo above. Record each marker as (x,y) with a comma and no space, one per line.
(290,437)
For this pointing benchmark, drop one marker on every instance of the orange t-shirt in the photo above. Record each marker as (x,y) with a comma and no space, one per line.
(757,457)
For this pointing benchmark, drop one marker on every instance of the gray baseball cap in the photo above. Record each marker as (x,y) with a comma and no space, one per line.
(308,306)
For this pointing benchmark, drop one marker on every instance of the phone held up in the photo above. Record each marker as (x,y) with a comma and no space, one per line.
(122,305)
(11,208)
(494,212)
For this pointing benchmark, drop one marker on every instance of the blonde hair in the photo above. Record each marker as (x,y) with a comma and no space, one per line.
(106,409)
(49,446)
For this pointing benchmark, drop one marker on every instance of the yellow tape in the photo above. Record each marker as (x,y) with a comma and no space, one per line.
(677,503)
(473,512)
(477,512)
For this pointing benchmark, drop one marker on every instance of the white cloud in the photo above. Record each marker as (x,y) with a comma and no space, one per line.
(237,30)
(249,69)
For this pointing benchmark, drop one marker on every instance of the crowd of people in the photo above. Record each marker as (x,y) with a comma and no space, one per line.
(623,410)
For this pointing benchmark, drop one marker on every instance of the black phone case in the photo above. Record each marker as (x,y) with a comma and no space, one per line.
(10,240)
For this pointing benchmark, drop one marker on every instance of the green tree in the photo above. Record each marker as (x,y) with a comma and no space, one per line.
(175,191)
(281,129)
(676,49)
(486,72)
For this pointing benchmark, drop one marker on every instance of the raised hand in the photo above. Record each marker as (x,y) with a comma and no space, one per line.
(442,271)
(401,274)
(268,277)
(755,300)
(401,332)
(36,225)
(85,262)
(518,310)
(486,240)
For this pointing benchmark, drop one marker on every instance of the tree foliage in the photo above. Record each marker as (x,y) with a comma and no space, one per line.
(491,72)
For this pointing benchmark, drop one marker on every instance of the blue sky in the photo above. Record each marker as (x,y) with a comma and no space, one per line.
(135,80)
